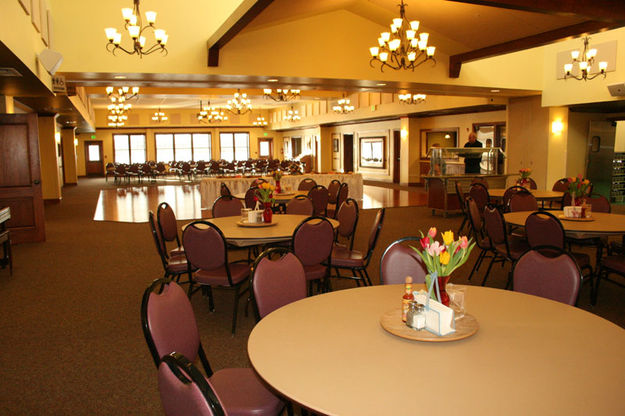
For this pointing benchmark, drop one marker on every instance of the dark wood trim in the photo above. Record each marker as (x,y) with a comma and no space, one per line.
(541,39)
(238,26)
(604,10)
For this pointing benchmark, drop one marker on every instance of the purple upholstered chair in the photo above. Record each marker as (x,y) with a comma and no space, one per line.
(507,195)
(226,206)
(357,261)
(481,240)
(399,261)
(169,326)
(224,190)
(276,282)
(463,206)
(205,247)
(341,197)
(522,201)
(251,197)
(347,217)
(312,244)
(319,196)
(480,195)
(505,247)
(184,390)
(306,184)
(333,191)
(557,278)
(168,227)
(175,265)
(300,205)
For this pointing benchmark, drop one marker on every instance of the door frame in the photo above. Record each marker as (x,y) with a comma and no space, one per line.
(266,139)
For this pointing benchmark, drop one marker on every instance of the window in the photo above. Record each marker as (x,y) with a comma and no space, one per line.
(234,146)
(182,146)
(129,148)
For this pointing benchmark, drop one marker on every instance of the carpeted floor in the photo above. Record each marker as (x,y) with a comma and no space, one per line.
(71,337)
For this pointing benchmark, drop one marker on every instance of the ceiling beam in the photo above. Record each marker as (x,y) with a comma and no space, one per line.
(230,29)
(541,39)
(601,10)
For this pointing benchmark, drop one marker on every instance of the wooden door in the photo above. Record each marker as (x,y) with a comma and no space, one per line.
(20,177)
(396,155)
(265,148)
(94,158)
(348,153)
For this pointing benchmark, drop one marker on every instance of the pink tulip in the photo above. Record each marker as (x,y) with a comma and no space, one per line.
(464,242)
(435,249)
(432,232)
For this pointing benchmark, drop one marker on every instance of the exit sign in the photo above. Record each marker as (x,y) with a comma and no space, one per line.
(93,136)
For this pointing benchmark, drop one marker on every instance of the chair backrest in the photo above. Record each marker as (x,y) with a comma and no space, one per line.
(207,246)
(557,278)
(167,224)
(480,195)
(531,181)
(505,200)
(599,203)
(561,185)
(312,241)
(278,282)
(544,229)
(184,390)
(347,216)
(495,225)
(481,181)
(306,184)
(251,197)
(376,228)
(319,196)
(333,191)
(300,205)
(158,241)
(342,195)
(169,323)
(399,261)
(224,190)
(523,201)
(226,206)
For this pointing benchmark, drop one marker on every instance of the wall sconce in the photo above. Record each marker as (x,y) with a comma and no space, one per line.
(75,142)
(57,138)
(404,134)
(557,127)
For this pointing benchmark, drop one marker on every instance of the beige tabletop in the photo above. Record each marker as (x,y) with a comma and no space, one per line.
(531,356)
(538,194)
(603,223)
(280,198)
(239,236)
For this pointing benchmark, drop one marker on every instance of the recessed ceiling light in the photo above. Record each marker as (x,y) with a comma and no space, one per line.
(380,84)
(495,90)
(120,77)
(272,80)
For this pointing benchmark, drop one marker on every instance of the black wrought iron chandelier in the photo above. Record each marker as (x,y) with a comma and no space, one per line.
(584,60)
(159,116)
(292,115)
(343,106)
(409,98)
(260,121)
(210,114)
(281,94)
(239,104)
(403,47)
(132,19)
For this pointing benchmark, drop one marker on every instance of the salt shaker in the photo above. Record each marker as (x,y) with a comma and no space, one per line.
(415,318)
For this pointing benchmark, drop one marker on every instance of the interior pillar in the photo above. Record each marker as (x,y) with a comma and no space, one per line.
(6,104)
(404,163)
(68,138)
(50,158)
(557,144)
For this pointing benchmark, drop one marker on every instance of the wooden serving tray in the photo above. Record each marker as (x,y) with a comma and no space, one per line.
(562,217)
(391,322)
(255,224)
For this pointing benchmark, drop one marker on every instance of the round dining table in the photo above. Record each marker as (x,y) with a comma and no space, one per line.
(601,223)
(242,235)
(530,356)
(540,195)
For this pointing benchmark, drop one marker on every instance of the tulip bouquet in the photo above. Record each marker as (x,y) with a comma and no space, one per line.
(442,259)
(578,186)
(525,173)
(265,192)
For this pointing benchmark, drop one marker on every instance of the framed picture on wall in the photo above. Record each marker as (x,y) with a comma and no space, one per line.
(372,152)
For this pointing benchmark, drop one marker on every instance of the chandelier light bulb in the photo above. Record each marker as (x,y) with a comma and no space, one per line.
(414,25)
(575,55)
(127,14)
(150,16)
(603,66)
(385,36)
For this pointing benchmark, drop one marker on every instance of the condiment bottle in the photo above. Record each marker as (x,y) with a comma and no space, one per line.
(407,298)
(416,316)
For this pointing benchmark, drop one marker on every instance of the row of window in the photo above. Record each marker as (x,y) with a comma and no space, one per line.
(131,148)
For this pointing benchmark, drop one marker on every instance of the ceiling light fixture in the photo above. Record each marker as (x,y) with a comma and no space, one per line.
(122,94)
(239,104)
(260,121)
(584,60)
(409,98)
(210,114)
(116,120)
(159,116)
(402,47)
(283,94)
(292,115)
(132,19)
(343,106)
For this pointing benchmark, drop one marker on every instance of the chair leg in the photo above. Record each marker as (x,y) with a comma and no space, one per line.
(367,276)
(509,282)
(211,301)
(464,221)
(478,263)
(594,296)
(235,309)
(488,270)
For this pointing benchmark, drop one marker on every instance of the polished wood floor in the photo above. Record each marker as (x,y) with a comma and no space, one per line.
(132,203)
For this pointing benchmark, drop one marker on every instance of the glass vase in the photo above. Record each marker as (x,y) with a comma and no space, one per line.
(267,213)
(442,285)
(278,188)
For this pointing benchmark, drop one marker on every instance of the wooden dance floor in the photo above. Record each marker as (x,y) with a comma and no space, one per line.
(132,203)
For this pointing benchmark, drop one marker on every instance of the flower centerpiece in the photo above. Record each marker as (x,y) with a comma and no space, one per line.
(525,174)
(442,259)
(277,176)
(265,195)
(578,189)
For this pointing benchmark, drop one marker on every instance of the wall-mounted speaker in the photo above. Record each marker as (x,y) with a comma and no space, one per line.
(50,60)
(617,90)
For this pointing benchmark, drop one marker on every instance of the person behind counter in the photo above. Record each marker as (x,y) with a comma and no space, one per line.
(472,161)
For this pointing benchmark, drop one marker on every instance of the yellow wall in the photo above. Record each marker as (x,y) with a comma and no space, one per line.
(69,156)
(48,154)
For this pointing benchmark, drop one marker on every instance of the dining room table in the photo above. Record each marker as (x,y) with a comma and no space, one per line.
(539,194)
(529,356)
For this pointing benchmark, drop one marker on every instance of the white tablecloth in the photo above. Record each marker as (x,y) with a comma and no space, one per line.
(210,187)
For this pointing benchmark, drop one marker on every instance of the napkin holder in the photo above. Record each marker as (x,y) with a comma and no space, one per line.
(439,319)
(255,216)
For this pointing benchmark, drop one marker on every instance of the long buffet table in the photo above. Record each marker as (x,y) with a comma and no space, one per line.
(210,187)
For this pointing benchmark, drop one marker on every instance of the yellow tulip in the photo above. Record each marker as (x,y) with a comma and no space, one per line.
(448,237)
(445,257)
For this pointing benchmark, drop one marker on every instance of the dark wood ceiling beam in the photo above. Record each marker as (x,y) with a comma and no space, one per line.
(601,10)
(238,26)
(541,39)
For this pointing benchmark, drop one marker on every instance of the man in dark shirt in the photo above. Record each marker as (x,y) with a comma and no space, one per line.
(472,160)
